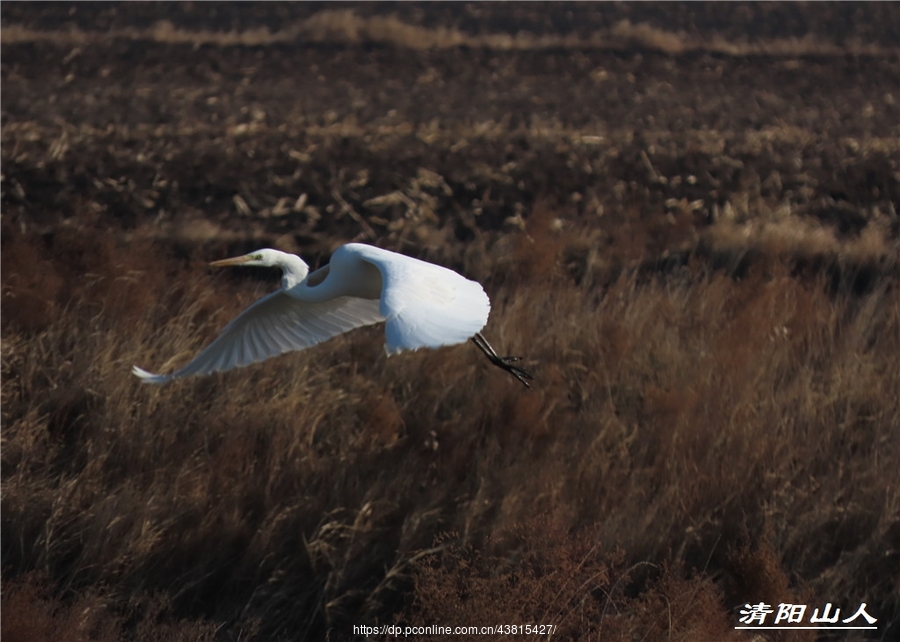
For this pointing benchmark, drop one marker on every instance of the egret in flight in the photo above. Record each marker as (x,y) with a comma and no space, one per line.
(423,306)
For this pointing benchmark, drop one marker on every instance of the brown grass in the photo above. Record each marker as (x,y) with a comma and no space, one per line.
(677,418)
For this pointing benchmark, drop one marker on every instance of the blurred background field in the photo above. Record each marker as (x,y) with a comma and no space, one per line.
(685,216)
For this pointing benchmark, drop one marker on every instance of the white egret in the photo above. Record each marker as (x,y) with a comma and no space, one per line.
(423,306)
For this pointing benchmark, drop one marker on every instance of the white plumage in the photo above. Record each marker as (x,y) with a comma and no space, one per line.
(424,306)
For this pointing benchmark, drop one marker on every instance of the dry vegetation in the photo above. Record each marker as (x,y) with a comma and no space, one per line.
(699,256)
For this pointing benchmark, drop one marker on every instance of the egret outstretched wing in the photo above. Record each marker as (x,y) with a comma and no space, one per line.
(275,324)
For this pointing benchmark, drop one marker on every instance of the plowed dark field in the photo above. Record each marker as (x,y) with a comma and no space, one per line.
(686,216)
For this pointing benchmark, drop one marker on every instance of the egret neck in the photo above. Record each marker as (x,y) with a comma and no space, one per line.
(293,269)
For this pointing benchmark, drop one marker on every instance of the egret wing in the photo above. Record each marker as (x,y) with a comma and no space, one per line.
(424,305)
(275,324)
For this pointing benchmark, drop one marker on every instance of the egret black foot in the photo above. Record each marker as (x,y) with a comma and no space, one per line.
(504,363)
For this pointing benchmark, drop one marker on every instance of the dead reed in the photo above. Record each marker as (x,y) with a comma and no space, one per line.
(687,429)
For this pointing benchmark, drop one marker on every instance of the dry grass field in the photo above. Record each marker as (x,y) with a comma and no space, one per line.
(686,217)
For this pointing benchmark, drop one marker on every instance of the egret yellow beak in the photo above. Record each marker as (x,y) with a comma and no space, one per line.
(238,260)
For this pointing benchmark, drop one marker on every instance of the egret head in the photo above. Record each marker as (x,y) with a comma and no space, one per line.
(293,267)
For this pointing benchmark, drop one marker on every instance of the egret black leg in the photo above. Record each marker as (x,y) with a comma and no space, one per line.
(504,363)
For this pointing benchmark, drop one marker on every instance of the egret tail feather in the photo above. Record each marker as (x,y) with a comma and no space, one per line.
(149,377)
